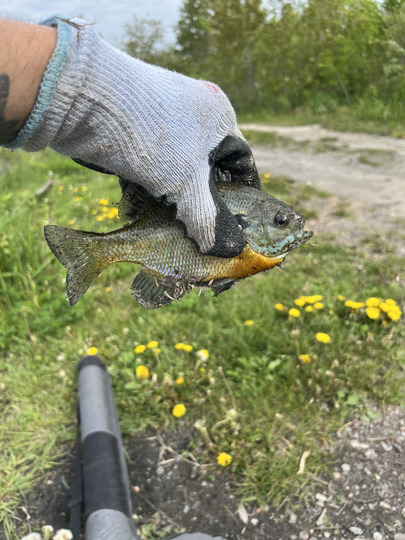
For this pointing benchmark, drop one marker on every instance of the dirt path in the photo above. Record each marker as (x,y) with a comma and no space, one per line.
(365,173)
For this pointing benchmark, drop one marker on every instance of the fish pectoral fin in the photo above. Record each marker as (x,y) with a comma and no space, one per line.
(153,291)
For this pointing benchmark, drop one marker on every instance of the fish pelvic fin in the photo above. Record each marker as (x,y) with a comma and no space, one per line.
(152,291)
(74,249)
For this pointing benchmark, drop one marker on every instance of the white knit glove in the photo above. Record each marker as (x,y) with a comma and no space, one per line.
(167,132)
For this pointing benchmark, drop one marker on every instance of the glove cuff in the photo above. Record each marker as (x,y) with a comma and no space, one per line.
(48,83)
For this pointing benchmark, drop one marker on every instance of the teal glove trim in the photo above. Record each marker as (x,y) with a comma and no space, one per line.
(48,84)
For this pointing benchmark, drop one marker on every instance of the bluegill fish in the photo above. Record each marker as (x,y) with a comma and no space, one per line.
(171,263)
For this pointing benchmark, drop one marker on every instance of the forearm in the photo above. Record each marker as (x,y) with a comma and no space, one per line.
(25,50)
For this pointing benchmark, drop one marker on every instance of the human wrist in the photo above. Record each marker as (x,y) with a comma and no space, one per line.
(51,40)
(25,51)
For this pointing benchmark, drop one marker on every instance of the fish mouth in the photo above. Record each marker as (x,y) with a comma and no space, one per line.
(302,239)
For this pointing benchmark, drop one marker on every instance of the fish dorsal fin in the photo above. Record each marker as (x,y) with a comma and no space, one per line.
(134,201)
(153,291)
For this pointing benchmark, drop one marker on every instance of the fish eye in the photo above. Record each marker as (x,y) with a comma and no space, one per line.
(281,220)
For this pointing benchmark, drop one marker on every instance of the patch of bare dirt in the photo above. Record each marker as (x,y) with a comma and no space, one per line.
(361,500)
(364,174)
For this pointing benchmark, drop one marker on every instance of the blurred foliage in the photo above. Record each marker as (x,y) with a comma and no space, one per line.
(284,56)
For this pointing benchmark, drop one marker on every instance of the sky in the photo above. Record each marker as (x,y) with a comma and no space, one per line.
(110,16)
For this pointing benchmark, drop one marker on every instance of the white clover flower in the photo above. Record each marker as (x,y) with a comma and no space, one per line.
(47,531)
(202,355)
(63,534)
(32,536)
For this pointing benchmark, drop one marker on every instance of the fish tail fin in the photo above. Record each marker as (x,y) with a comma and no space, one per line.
(75,250)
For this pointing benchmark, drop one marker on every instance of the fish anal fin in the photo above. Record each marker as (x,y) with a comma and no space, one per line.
(153,291)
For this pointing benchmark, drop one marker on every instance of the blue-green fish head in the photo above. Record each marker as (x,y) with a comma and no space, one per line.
(272,228)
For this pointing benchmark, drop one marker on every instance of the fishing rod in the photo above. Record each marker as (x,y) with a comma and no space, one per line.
(101,487)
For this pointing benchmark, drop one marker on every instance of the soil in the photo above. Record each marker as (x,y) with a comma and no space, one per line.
(363,497)
(364,175)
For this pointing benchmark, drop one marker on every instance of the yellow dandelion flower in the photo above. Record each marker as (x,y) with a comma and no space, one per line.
(318,305)
(314,298)
(224,459)
(179,346)
(354,305)
(61,188)
(100,218)
(266,175)
(300,302)
(305,358)
(322,337)
(84,189)
(142,372)
(293,312)
(107,289)
(394,314)
(152,344)
(112,213)
(71,221)
(91,351)
(105,209)
(387,306)
(249,322)
(103,202)
(179,410)
(157,350)
(188,348)
(279,307)
(78,198)
(341,297)
(373,302)
(180,380)
(373,312)
(202,370)
(139,349)
(75,189)
(309,309)
(202,355)
(94,212)
(390,302)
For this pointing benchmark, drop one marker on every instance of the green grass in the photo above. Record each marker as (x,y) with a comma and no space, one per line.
(254,397)
(357,118)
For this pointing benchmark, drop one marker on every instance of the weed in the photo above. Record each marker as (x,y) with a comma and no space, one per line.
(374,157)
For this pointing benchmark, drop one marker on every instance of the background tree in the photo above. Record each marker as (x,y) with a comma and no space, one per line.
(145,39)
(287,55)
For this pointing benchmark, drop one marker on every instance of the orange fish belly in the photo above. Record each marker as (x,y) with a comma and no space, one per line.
(246,264)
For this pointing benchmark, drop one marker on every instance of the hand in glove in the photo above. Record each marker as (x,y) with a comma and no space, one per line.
(167,132)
